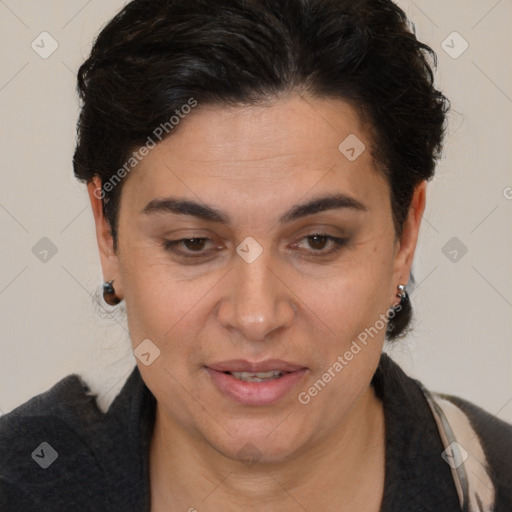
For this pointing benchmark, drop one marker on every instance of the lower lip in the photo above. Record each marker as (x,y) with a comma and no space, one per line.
(256,393)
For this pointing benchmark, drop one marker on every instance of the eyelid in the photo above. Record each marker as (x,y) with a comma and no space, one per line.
(170,244)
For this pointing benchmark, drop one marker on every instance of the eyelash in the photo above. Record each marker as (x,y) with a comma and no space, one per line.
(339,243)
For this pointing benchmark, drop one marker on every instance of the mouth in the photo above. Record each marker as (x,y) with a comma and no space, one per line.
(256,377)
(255,384)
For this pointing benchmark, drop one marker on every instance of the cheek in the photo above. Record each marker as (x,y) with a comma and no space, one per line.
(159,304)
(353,296)
(354,307)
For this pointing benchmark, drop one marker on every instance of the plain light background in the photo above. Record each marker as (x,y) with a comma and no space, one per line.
(50,326)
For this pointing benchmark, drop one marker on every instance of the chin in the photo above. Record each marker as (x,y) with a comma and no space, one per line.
(262,441)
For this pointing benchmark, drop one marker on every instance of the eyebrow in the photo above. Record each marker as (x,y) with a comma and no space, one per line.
(209,213)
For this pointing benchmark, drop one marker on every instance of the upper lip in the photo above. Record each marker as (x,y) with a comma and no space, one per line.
(241,365)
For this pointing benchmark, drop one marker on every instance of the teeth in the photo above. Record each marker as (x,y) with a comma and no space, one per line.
(257,377)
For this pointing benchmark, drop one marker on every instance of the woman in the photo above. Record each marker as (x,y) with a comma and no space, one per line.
(257,172)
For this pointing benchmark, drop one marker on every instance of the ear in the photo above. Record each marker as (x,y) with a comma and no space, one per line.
(108,257)
(406,246)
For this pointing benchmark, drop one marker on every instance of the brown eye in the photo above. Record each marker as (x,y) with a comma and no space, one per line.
(194,244)
(317,242)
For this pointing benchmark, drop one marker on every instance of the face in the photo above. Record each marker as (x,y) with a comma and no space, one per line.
(249,242)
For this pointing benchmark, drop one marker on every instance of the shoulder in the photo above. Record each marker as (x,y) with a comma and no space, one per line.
(60,452)
(496,433)
(70,395)
(52,426)
(68,406)
(495,436)
(486,439)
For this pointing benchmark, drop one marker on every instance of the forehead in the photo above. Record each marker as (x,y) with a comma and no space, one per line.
(291,146)
(292,125)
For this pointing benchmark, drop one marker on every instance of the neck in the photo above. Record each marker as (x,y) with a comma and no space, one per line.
(344,470)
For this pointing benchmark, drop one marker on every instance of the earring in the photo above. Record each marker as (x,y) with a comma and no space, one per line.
(109,294)
(402,294)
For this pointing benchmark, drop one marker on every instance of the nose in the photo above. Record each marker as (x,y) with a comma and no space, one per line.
(257,300)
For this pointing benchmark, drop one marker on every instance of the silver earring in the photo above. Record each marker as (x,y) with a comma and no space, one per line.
(402,293)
